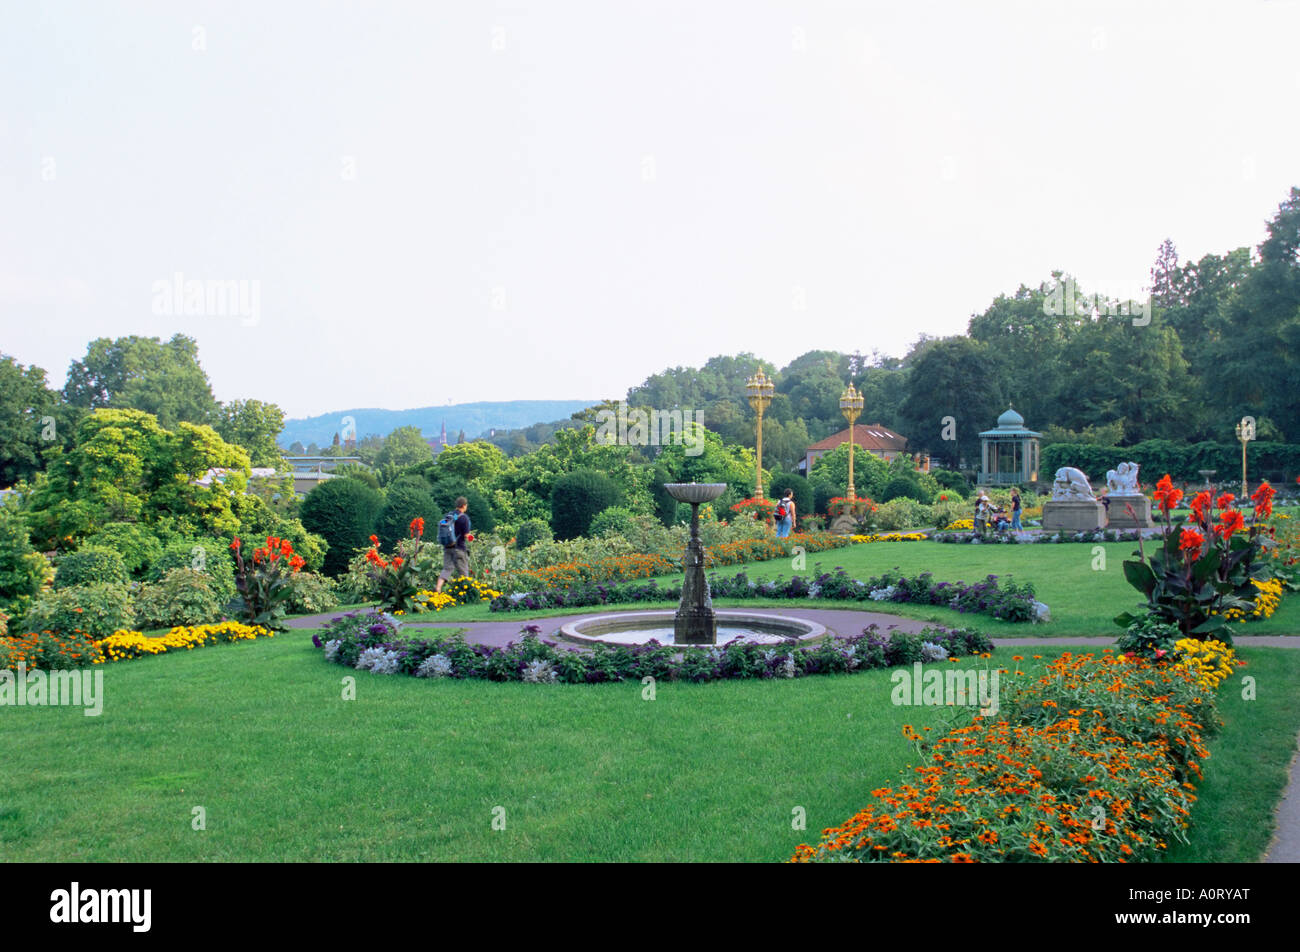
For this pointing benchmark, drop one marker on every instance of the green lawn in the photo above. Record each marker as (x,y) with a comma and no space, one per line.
(1083,600)
(257,734)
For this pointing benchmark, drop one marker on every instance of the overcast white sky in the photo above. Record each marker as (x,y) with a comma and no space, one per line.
(576,195)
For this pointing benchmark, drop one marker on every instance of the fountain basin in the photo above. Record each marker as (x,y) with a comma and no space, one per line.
(639,628)
(695,493)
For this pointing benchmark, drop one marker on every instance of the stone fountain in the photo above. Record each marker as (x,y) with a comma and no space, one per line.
(694,622)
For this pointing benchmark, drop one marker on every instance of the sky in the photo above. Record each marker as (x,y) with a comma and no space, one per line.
(410,204)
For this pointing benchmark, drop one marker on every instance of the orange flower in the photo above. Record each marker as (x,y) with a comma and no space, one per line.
(1191,541)
(1200,503)
(236,544)
(1166,495)
(1232,520)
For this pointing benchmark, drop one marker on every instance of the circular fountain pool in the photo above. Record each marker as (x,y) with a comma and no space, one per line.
(639,628)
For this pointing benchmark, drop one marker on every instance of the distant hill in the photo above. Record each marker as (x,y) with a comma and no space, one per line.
(474,418)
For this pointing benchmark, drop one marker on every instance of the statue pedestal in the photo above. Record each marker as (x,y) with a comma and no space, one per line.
(1073,515)
(1119,517)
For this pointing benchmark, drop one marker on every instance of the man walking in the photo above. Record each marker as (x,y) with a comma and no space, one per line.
(455,552)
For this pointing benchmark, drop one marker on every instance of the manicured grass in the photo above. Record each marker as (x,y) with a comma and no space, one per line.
(1083,600)
(258,735)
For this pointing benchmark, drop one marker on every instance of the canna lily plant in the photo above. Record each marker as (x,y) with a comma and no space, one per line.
(396,581)
(1203,566)
(265,582)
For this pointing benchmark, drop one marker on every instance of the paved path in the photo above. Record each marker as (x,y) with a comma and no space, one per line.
(1285,847)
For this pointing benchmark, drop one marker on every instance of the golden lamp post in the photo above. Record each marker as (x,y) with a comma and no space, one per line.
(1245,433)
(851,405)
(759,388)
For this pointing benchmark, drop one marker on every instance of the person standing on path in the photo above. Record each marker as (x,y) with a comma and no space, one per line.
(455,557)
(1015,510)
(785,523)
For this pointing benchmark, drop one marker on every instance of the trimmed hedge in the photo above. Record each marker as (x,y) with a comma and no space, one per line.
(1181,461)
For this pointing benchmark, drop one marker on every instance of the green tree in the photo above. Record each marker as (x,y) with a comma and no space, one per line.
(143,373)
(955,377)
(254,425)
(478,462)
(33,423)
(405,499)
(402,448)
(23,570)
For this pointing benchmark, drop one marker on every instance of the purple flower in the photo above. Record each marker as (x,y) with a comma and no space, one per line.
(315,640)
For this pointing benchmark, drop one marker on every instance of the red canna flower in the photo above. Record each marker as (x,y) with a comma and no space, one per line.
(1263,500)
(297,562)
(374,540)
(1232,522)
(1200,504)
(1166,495)
(397,561)
(417,526)
(1191,541)
(235,545)
(1224,501)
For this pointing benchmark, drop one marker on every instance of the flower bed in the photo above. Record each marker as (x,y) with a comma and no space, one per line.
(1006,600)
(1093,762)
(1008,537)
(374,642)
(889,537)
(52,652)
(127,645)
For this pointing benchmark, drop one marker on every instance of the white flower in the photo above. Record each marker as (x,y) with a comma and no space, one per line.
(434,666)
(932,652)
(332,649)
(539,672)
(883,594)
(378,660)
(787,667)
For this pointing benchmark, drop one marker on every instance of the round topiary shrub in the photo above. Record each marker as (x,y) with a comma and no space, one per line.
(615,520)
(407,498)
(91,564)
(343,512)
(96,609)
(823,493)
(904,487)
(447,490)
(577,497)
(532,531)
(181,597)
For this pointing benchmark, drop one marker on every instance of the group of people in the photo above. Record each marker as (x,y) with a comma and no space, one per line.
(988,515)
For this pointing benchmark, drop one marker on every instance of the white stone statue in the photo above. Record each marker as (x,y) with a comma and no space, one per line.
(1123,481)
(1071,483)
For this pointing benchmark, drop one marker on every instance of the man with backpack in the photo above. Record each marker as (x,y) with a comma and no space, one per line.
(785,514)
(453,533)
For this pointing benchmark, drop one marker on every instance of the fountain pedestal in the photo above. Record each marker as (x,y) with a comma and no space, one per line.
(695,622)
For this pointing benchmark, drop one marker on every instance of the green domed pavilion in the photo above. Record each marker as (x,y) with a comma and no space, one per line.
(1009,453)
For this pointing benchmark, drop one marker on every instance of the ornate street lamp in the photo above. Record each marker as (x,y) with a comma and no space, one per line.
(759,388)
(851,405)
(1245,433)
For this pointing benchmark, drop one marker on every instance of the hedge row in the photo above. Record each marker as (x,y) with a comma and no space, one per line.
(1181,461)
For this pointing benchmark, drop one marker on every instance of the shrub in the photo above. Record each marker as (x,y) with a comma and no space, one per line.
(182,597)
(904,487)
(615,520)
(407,498)
(200,555)
(23,570)
(823,493)
(445,492)
(257,520)
(97,609)
(138,545)
(312,593)
(577,497)
(951,480)
(343,512)
(531,531)
(90,564)
(902,513)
